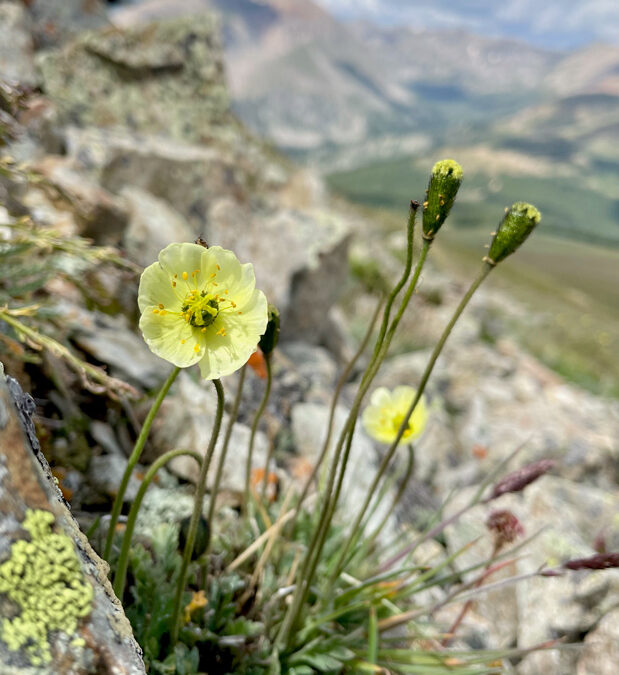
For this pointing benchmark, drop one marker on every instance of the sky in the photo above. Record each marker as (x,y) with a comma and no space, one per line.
(554,24)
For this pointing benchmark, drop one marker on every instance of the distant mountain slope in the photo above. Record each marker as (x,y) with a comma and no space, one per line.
(308,81)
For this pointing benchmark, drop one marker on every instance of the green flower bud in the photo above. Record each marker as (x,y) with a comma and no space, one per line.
(268,341)
(443,187)
(203,536)
(515,227)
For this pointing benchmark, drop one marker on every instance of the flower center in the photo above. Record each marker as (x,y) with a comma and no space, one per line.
(200,308)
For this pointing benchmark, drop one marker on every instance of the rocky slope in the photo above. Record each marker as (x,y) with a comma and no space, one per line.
(135,140)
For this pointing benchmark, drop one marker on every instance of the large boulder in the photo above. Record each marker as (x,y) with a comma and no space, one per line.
(164,78)
(59,612)
(16,47)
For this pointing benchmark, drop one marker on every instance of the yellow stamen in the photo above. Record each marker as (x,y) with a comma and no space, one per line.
(184,276)
(196,349)
(218,267)
(155,311)
(203,330)
(182,342)
(160,306)
(162,312)
(176,276)
(195,273)
(174,284)
(221,331)
(213,275)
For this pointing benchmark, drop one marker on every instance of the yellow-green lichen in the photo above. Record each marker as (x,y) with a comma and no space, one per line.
(43,577)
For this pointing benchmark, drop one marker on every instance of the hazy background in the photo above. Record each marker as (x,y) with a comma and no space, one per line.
(525,95)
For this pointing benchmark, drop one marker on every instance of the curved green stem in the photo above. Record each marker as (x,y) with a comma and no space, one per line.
(123,558)
(254,427)
(197,510)
(422,385)
(224,450)
(133,460)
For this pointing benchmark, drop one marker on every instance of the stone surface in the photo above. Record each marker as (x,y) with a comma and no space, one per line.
(165,78)
(153,224)
(600,655)
(56,21)
(111,340)
(99,215)
(16,48)
(102,640)
(561,514)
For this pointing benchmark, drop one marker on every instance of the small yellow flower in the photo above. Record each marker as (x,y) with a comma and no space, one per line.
(200,305)
(386,412)
(198,600)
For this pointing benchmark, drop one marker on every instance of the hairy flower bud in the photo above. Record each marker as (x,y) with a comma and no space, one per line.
(518,480)
(517,224)
(268,341)
(505,527)
(444,183)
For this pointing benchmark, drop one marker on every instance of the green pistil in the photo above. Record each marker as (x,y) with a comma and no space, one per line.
(202,311)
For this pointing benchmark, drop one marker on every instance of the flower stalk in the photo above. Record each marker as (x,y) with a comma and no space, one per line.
(123,558)
(197,510)
(254,429)
(134,459)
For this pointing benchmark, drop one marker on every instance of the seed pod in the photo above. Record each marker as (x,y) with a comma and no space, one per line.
(517,224)
(444,183)
(601,561)
(518,480)
(268,341)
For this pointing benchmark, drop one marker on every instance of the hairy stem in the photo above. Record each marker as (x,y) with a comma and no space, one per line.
(224,450)
(134,458)
(123,558)
(197,510)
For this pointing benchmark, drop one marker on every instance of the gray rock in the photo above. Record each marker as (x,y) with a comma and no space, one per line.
(153,224)
(309,369)
(99,214)
(16,48)
(56,21)
(532,611)
(105,473)
(110,340)
(165,78)
(600,655)
(26,483)
(300,258)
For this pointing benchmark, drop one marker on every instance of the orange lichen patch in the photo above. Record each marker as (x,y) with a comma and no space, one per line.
(60,473)
(140,475)
(272,481)
(198,600)
(257,363)
(257,476)
(479,451)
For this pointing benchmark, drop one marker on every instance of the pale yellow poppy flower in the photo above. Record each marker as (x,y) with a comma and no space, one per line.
(200,305)
(383,417)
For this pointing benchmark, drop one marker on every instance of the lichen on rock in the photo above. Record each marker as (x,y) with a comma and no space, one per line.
(44,580)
